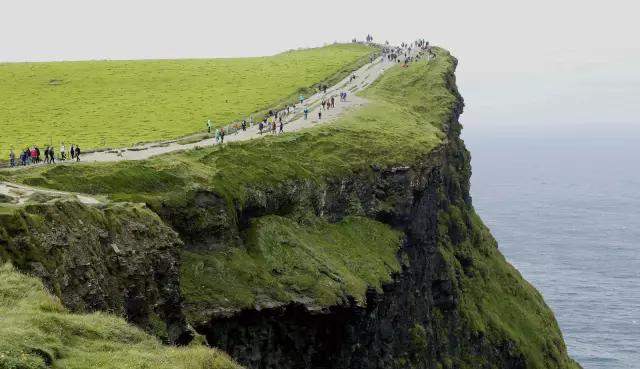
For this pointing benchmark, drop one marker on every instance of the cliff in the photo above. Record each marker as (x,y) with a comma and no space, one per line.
(119,258)
(352,245)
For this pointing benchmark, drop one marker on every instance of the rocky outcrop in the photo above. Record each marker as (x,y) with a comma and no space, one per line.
(121,259)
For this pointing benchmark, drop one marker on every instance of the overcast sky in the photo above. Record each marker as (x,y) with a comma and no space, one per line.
(544,61)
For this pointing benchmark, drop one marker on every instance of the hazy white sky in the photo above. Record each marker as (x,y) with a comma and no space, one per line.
(544,61)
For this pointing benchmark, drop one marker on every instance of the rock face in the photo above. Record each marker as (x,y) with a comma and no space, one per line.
(450,306)
(120,259)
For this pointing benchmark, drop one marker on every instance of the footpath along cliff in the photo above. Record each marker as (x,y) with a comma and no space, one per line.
(350,245)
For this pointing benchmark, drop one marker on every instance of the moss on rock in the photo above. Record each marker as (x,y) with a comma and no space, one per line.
(282,261)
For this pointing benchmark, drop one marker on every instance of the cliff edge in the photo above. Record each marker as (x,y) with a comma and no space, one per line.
(350,245)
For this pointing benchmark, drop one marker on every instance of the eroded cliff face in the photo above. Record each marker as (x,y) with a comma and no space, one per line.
(121,259)
(456,303)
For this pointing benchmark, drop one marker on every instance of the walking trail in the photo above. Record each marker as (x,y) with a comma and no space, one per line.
(295,121)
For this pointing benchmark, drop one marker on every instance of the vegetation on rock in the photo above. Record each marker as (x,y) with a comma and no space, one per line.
(312,262)
(37,332)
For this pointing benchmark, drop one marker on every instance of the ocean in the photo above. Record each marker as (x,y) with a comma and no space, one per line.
(564,204)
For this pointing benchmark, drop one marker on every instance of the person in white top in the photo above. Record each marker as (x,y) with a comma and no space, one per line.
(62,155)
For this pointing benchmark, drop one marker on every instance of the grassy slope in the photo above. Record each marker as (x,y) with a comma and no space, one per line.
(315,262)
(496,302)
(117,103)
(400,125)
(37,332)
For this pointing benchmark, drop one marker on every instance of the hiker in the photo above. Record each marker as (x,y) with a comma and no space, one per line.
(62,152)
(301,99)
(77,152)
(217,134)
(12,158)
(23,158)
(306,112)
(260,127)
(209,125)
(319,115)
(52,156)
(237,127)
(322,103)
(46,155)
(34,155)
(333,101)
(251,121)
(244,125)
(221,135)
(72,151)
(281,126)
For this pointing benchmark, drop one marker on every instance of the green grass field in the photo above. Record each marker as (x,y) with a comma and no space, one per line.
(118,103)
(402,123)
(37,332)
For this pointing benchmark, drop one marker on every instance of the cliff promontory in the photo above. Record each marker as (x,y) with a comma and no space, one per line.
(349,245)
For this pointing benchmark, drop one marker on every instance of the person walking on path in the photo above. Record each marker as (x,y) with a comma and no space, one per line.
(260,127)
(209,125)
(77,152)
(46,155)
(52,156)
(319,115)
(301,99)
(72,151)
(217,134)
(244,125)
(333,102)
(62,152)
(306,112)
(281,126)
(12,158)
(34,155)
(221,135)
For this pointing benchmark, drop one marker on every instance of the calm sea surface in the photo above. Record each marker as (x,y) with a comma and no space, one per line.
(564,205)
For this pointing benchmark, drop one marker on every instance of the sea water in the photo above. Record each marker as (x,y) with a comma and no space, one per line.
(564,204)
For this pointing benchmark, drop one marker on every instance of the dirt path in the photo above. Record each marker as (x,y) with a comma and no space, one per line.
(20,194)
(294,122)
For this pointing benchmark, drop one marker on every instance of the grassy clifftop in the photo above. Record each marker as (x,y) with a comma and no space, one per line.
(118,103)
(403,122)
(36,332)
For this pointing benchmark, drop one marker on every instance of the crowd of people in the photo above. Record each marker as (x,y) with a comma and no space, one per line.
(403,53)
(33,155)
